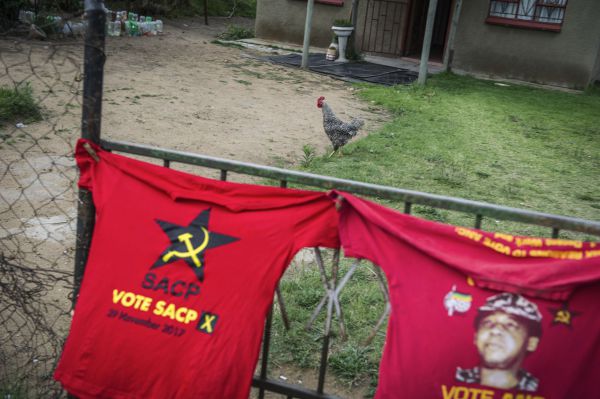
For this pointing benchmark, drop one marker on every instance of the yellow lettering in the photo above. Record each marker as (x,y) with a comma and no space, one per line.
(505,237)
(117,295)
(564,243)
(207,323)
(159,308)
(481,393)
(529,241)
(458,392)
(446,394)
(180,314)
(509,395)
(592,254)
(461,393)
(545,253)
(146,304)
(473,235)
(169,312)
(191,316)
(519,253)
(128,299)
(496,246)
(487,394)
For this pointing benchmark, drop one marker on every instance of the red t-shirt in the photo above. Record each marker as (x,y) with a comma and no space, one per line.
(478,315)
(180,276)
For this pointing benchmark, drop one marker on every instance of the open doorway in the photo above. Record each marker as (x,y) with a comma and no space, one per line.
(416,29)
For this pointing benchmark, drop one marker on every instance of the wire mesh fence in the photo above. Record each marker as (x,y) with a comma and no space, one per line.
(40,119)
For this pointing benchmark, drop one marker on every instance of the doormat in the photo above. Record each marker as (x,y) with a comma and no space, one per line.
(360,71)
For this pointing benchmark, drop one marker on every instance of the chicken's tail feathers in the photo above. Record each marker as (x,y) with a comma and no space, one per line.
(357,124)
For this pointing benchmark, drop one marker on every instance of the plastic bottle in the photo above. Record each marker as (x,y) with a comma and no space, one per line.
(116,28)
(153,31)
(27,16)
(159,26)
(123,21)
(74,29)
(135,28)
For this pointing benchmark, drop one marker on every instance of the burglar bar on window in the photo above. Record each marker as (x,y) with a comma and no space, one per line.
(527,13)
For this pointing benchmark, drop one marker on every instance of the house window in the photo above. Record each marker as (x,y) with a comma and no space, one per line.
(535,14)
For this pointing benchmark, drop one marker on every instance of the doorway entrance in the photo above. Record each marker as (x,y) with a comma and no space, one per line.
(416,29)
(396,28)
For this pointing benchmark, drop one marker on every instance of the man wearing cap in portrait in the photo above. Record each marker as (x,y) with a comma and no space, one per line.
(507,328)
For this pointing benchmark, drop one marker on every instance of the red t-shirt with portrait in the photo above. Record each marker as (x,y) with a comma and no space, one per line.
(179,279)
(479,315)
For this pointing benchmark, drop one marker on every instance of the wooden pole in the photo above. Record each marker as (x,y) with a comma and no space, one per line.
(451,35)
(205,12)
(427,42)
(307,28)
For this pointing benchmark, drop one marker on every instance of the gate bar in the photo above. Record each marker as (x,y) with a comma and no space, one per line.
(91,114)
(290,390)
(326,182)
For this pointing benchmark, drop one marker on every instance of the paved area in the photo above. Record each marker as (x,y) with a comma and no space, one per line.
(373,69)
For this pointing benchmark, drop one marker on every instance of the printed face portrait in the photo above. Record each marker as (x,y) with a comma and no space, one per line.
(503,340)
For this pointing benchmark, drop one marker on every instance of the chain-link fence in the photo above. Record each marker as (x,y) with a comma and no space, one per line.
(40,119)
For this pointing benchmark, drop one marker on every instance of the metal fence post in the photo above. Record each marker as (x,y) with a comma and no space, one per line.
(427,42)
(93,71)
(307,28)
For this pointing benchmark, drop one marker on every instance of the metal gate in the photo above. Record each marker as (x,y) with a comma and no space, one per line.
(385,27)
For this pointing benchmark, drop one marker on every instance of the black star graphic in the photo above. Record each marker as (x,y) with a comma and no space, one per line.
(190,243)
(563,315)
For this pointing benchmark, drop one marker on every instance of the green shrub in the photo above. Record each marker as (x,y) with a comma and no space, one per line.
(235,32)
(47,24)
(18,103)
(345,23)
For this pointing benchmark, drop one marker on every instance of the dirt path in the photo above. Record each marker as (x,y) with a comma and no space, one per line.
(182,91)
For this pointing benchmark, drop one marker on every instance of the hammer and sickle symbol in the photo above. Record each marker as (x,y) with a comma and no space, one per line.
(563,316)
(191,251)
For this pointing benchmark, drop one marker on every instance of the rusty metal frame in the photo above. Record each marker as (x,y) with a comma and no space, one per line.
(478,208)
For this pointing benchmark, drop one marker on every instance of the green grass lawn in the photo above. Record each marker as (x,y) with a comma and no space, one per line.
(509,145)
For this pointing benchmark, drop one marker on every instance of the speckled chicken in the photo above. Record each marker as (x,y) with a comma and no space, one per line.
(339,132)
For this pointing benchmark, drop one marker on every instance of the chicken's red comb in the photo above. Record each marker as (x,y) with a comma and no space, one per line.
(320,101)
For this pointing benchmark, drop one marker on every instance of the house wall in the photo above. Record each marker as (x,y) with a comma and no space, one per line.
(596,73)
(566,58)
(283,20)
